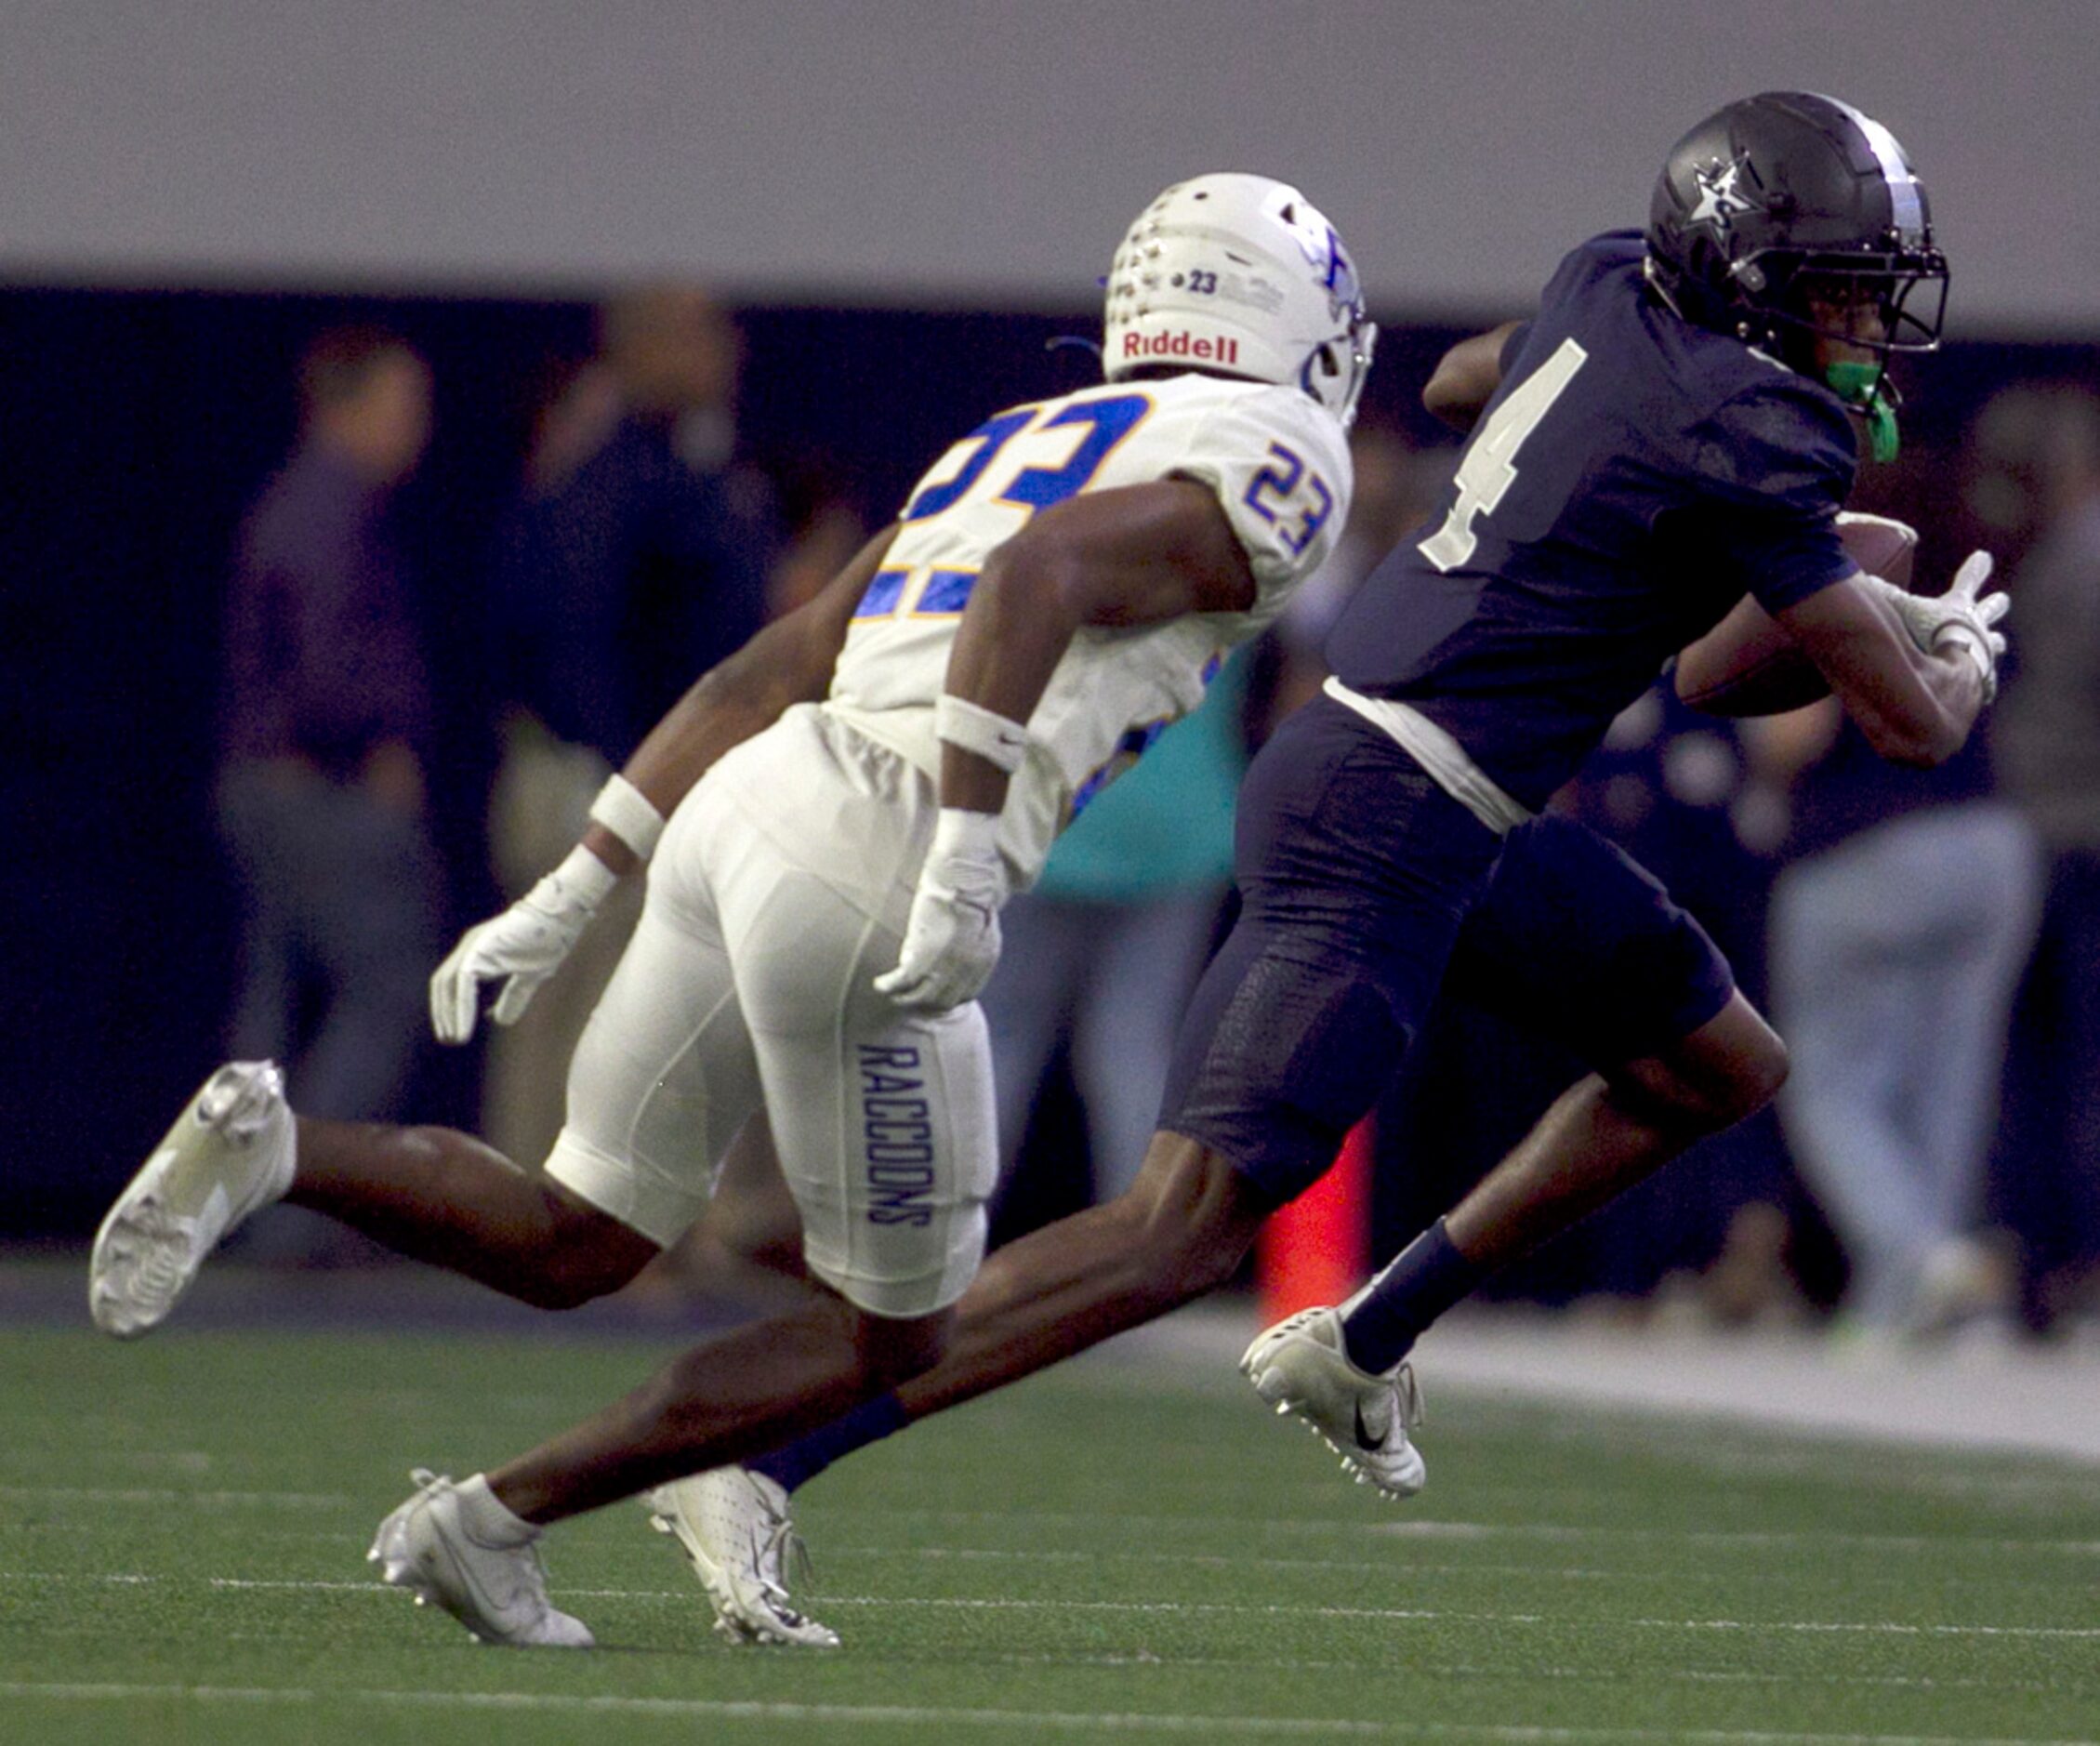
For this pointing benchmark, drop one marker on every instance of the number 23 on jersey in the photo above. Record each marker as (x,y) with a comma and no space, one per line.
(1285,490)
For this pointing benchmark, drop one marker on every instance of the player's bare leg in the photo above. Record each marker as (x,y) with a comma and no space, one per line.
(745,1250)
(1187,1221)
(1607,1132)
(1342,1370)
(430,1193)
(730,1398)
(441,1196)
(1181,1230)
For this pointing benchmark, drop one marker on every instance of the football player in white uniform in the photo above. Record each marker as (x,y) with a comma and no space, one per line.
(837,813)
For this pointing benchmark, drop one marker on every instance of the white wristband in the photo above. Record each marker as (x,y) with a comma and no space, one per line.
(625,811)
(976,729)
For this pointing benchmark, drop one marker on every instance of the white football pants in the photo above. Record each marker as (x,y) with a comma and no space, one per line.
(778,895)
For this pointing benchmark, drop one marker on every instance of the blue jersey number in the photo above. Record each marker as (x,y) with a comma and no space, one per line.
(945,592)
(1273,492)
(1111,419)
(990,437)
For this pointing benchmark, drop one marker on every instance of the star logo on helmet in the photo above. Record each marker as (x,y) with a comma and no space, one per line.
(1719,197)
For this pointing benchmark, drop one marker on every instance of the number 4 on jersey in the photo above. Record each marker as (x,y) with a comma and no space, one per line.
(1489,467)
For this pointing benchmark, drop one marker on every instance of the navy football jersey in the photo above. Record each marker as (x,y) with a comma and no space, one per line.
(1633,476)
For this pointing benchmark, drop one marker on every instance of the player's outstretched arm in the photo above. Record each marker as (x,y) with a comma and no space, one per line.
(789,661)
(1135,555)
(1915,705)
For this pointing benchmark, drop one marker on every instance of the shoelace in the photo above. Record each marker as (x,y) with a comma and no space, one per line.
(783,1556)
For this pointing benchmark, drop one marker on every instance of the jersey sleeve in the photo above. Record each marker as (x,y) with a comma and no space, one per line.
(1777,462)
(1279,467)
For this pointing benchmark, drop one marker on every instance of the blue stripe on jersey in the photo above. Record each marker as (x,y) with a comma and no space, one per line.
(946,591)
(882,595)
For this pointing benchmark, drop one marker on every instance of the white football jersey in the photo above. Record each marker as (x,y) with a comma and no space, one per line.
(1279,464)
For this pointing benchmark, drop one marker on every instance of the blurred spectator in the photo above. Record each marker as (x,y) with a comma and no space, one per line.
(1898,928)
(640,551)
(326,712)
(2038,478)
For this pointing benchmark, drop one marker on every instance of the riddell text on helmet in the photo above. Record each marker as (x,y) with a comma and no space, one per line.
(1180,345)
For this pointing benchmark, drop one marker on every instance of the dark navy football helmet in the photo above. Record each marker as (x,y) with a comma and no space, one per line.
(1788,216)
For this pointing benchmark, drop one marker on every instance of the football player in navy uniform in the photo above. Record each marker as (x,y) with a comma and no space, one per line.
(1673,431)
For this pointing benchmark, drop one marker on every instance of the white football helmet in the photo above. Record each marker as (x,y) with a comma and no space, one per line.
(1244,275)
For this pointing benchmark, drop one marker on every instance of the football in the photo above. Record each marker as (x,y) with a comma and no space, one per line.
(1748,665)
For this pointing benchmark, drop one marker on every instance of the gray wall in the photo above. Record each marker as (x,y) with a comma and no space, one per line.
(956,150)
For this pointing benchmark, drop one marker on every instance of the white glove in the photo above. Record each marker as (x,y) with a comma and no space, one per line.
(1964,616)
(525,944)
(952,940)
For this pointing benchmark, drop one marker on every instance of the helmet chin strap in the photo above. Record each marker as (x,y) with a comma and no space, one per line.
(1865,388)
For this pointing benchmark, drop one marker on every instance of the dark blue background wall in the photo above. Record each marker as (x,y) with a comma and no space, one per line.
(135,429)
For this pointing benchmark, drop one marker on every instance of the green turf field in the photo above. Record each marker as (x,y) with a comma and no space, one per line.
(1115,1551)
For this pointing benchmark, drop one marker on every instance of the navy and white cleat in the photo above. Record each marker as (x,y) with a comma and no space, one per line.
(1301,1367)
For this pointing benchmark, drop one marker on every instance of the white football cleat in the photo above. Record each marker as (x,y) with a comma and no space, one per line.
(230,1152)
(735,1528)
(1302,1366)
(497,1590)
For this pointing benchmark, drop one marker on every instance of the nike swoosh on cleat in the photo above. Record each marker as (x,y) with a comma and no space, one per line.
(1364,1437)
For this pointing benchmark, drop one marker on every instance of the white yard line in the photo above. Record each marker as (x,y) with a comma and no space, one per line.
(1262,1609)
(1748,1540)
(156,1495)
(919,1716)
(2080,1550)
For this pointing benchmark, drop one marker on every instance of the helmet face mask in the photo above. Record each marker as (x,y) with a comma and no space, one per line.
(1884,303)
(1795,223)
(1242,276)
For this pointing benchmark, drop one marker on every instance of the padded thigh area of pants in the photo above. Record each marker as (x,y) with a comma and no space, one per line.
(883,1118)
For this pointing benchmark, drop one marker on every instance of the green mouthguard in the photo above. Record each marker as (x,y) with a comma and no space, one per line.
(1859,386)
